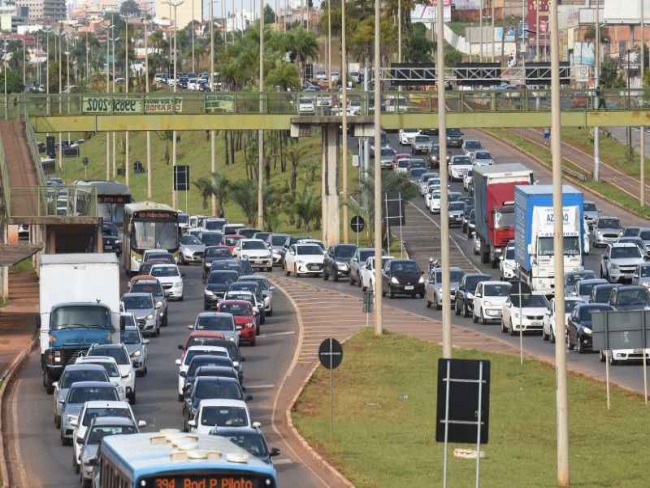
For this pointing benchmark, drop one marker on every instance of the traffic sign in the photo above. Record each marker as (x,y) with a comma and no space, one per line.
(357,223)
(330,353)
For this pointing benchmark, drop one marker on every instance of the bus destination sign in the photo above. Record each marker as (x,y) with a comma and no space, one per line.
(206,481)
(153,215)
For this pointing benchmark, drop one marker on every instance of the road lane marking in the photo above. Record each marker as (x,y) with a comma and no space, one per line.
(271,334)
(282,462)
(259,387)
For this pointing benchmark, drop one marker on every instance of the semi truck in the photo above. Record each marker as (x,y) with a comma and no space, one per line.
(79,306)
(494,195)
(534,231)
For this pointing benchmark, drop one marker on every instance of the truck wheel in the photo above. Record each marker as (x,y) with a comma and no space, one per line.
(485,253)
(47,384)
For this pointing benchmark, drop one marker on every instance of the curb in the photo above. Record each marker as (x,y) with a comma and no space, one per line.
(7,378)
(305,445)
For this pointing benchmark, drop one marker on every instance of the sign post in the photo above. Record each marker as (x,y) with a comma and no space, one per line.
(330,355)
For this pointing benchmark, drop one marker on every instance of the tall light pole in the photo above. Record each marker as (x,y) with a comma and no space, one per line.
(126,83)
(260,133)
(642,129)
(192,29)
(4,73)
(399,30)
(329,43)
(146,89)
(60,103)
(562,408)
(494,51)
(47,70)
(175,4)
(444,203)
(597,98)
(87,62)
(379,326)
(480,23)
(109,33)
(344,115)
(113,134)
(213,134)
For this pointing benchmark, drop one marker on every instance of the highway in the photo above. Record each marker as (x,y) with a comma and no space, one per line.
(43,461)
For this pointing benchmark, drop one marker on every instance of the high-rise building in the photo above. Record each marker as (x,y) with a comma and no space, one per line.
(186,12)
(42,9)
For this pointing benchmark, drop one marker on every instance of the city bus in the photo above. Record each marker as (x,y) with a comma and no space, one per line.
(171,459)
(112,196)
(148,225)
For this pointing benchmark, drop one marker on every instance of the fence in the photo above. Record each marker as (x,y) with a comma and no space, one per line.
(53,201)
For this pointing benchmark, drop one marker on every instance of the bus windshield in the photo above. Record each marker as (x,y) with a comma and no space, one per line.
(155,235)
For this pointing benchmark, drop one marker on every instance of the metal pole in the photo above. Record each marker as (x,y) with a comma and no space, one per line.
(213,138)
(523,36)
(479,418)
(126,82)
(329,44)
(494,51)
(399,30)
(536,31)
(148,133)
(113,133)
(444,181)
(377,204)
(87,62)
(480,24)
(108,135)
(175,4)
(260,133)
(192,29)
(642,129)
(447,395)
(47,70)
(562,423)
(607,353)
(521,328)
(344,121)
(597,98)
(4,73)
(60,103)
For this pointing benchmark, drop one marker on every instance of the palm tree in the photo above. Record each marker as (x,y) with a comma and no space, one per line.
(216,185)
(283,74)
(295,153)
(304,47)
(308,208)
(245,195)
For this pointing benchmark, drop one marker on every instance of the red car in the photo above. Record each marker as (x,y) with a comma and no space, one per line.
(231,241)
(399,156)
(202,338)
(242,312)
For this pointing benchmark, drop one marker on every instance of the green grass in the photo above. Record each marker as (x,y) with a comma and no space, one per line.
(24,266)
(607,190)
(384,414)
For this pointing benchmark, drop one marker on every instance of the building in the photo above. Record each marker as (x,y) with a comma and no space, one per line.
(7,13)
(34,10)
(186,11)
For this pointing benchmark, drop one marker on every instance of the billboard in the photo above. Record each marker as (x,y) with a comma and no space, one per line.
(538,8)
(511,34)
(583,53)
(627,12)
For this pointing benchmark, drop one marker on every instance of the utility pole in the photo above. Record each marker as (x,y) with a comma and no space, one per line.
(60,101)
(175,4)
(192,29)
(480,23)
(399,29)
(537,31)
(213,134)
(113,134)
(642,129)
(260,133)
(344,119)
(597,98)
(494,51)
(126,82)
(444,181)
(146,89)
(562,408)
(87,62)
(329,44)
(378,191)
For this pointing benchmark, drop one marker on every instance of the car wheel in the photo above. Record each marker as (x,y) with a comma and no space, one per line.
(132,398)
(75,465)
(269,269)
(359,282)
(504,330)
(144,373)
(512,329)
(391,295)
(47,384)
(64,441)
(428,304)
(483,320)
(457,307)
(474,318)
(287,272)
(158,331)
(181,260)
(182,298)
(601,356)
(552,337)
(569,345)
(325,275)
(579,346)
(465,310)
(295,271)
(57,421)
(438,304)
(335,276)
(257,329)
(180,398)
(544,335)
(612,361)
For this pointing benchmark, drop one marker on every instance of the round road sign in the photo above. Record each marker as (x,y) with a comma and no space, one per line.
(330,353)
(357,223)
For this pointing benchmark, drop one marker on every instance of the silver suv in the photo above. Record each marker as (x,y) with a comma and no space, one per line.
(606,230)
(143,306)
(620,261)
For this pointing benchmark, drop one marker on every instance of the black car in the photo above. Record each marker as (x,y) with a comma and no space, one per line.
(337,261)
(454,138)
(211,237)
(601,293)
(214,253)
(216,366)
(206,387)
(217,285)
(249,438)
(464,302)
(402,277)
(242,266)
(248,232)
(357,262)
(631,297)
(579,325)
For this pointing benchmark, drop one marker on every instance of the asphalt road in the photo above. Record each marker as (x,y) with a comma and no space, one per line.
(46,462)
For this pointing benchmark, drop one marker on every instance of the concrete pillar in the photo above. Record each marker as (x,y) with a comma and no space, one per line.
(50,239)
(4,283)
(331,155)
(99,239)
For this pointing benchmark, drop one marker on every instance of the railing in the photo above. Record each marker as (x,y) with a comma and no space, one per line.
(327,103)
(32,143)
(53,201)
(6,187)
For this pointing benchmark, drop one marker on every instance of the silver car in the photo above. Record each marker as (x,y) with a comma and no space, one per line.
(620,261)
(136,346)
(266,288)
(642,275)
(591,212)
(78,394)
(219,322)
(433,286)
(606,230)
(456,213)
(74,373)
(386,157)
(191,250)
(276,244)
(143,306)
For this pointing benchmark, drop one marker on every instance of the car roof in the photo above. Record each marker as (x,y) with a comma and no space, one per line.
(96,359)
(251,239)
(253,277)
(212,314)
(110,421)
(214,379)
(145,281)
(207,348)
(209,368)
(136,294)
(164,265)
(496,282)
(219,402)
(107,346)
(91,384)
(207,333)
(592,281)
(238,430)
(108,404)
(232,302)
(594,305)
(84,367)
(623,244)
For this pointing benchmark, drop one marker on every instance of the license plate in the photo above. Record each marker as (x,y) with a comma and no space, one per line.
(407,288)
(638,351)
(534,323)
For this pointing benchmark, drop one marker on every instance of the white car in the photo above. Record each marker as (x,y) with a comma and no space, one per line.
(170,278)
(219,412)
(368,272)
(306,106)
(458,166)
(434,202)
(482,158)
(406,136)
(489,298)
(423,184)
(94,409)
(548,331)
(304,259)
(468,179)
(525,315)
(120,353)
(507,264)
(113,371)
(256,252)
(184,362)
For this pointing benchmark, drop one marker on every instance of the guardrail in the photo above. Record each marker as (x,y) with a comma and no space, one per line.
(32,143)
(6,187)
(53,201)
(327,103)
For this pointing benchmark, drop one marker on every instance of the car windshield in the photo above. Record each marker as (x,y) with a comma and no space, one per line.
(387,151)
(198,362)
(127,321)
(92,413)
(217,252)
(404,163)
(422,139)
(143,287)
(98,433)
(211,238)
(571,246)
(404,267)
(482,155)
(309,250)
(222,277)
(278,240)
(472,281)
(529,301)
(344,252)
(510,253)
(236,308)
(633,296)
(190,354)
(645,234)
(164,271)
(214,322)
(471,144)
(118,353)
(623,252)
(130,336)
(137,302)
(229,390)
(214,224)
(497,290)
(609,223)
(70,377)
(89,393)
(589,207)
(461,161)
(110,367)
(155,234)
(631,232)
(73,316)
(585,312)
(224,416)
(584,289)
(253,245)
(572,278)
(190,240)
(457,206)
(569,305)
(455,276)
(251,442)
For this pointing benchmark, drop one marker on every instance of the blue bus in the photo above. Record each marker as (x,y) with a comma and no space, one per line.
(171,459)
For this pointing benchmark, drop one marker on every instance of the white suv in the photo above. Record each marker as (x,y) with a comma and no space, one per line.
(170,278)
(184,362)
(620,261)
(304,259)
(219,412)
(112,370)
(256,252)
(507,264)
(120,353)
(489,298)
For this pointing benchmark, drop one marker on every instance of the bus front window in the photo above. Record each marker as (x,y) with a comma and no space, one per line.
(155,235)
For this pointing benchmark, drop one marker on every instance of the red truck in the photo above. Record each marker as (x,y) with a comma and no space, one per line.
(494,199)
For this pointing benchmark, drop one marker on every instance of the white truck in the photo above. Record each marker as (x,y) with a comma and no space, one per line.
(79,306)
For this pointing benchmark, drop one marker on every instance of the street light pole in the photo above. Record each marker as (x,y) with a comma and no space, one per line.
(480,23)
(642,129)
(378,191)
(344,116)
(60,103)
(4,72)
(260,133)
(146,89)
(597,98)
(399,31)
(175,4)
(562,408)
(113,134)
(126,83)
(108,84)
(213,135)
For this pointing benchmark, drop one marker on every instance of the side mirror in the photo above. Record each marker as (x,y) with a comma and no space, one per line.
(248,398)
(142,423)
(180,347)
(257,425)
(274,452)
(74,422)
(238,327)
(146,341)
(191,423)
(271,288)
(477,295)
(177,362)
(79,440)
(158,304)
(191,326)
(55,385)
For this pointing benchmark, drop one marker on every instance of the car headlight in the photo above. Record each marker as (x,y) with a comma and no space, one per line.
(586,331)
(208,293)
(136,354)
(515,314)
(149,317)
(421,280)
(300,261)
(71,418)
(394,281)
(470,296)
(342,265)
(614,266)
(487,303)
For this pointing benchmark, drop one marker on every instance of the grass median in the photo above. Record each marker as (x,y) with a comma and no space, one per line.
(384,416)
